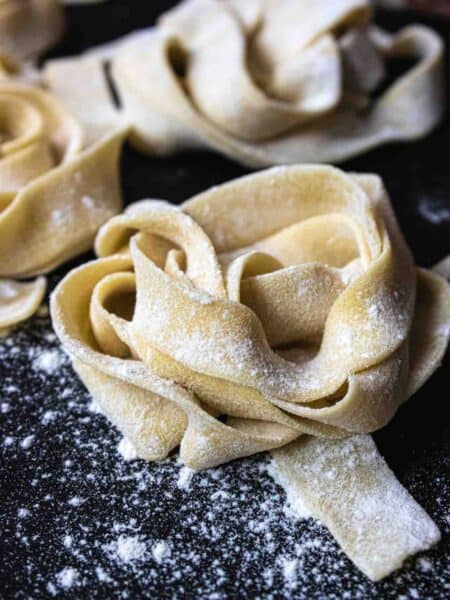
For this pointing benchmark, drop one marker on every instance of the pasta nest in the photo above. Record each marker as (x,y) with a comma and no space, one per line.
(55,192)
(262,81)
(280,304)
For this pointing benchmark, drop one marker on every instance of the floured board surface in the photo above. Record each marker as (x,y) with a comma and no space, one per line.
(79,520)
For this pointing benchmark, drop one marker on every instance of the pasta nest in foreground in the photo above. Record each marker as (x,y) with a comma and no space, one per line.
(279,304)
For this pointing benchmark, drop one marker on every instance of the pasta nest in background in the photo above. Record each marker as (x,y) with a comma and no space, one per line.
(262,81)
(55,191)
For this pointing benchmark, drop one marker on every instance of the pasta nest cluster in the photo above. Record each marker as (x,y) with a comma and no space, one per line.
(280,304)
(262,81)
(55,192)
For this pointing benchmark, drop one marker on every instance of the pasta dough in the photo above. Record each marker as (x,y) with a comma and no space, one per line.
(55,192)
(261,81)
(28,28)
(286,301)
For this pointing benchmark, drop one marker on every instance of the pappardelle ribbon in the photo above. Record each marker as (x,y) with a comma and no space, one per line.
(262,81)
(280,304)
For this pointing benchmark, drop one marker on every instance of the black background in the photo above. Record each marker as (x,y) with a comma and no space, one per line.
(415,444)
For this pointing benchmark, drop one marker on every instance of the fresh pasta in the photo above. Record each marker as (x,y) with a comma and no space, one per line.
(266,313)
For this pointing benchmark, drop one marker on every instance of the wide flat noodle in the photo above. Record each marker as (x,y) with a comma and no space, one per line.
(348,486)
(263,82)
(55,192)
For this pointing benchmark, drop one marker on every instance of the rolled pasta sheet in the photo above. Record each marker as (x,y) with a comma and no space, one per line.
(280,304)
(55,192)
(263,82)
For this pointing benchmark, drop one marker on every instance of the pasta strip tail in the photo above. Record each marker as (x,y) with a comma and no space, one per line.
(347,486)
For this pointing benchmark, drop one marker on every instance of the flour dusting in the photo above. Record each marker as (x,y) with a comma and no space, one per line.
(67,577)
(185,478)
(129,548)
(126,450)
(80,517)
(48,361)
(160,551)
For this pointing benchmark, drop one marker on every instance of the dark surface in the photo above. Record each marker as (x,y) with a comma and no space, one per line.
(67,496)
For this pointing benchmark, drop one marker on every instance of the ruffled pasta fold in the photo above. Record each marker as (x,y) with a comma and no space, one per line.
(280,304)
(55,192)
(261,81)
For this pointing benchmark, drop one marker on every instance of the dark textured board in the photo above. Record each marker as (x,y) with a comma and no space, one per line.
(77,521)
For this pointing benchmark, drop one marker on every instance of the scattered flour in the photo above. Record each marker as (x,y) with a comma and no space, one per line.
(48,417)
(75,501)
(424,564)
(88,202)
(8,290)
(185,478)
(59,216)
(102,575)
(130,548)
(434,210)
(27,442)
(67,577)
(49,361)
(160,551)
(289,567)
(94,407)
(374,310)
(126,450)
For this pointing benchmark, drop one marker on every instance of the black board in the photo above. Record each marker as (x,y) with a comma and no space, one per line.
(77,521)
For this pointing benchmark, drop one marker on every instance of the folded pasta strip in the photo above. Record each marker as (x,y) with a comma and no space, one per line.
(286,302)
(262,81)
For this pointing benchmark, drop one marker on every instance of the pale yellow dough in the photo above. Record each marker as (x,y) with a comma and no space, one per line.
(28,28)
(285,301)
(55,192)
(262,81)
